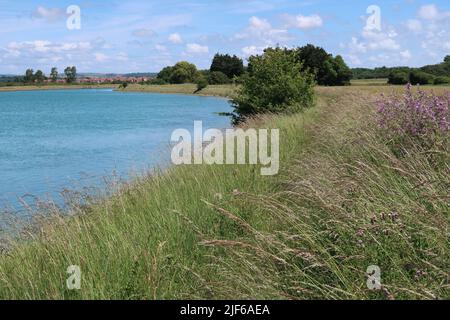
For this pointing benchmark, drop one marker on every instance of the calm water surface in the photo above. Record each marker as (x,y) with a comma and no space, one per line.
(50,140)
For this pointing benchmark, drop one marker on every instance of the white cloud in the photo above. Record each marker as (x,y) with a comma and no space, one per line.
(354,59)
(194,48)
(122,56)
(252,51)
(406,55)
(49,14)
(100,57)
(175,38)
(380,40)
(160,47)
(414,25)
(356,46)
(303,22)
(144,33)
(262,31)
(429,12)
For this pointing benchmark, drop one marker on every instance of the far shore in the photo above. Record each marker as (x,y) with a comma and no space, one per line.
(225,91)
(56,87)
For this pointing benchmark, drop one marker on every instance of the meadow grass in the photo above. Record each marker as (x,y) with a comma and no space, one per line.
(341,203)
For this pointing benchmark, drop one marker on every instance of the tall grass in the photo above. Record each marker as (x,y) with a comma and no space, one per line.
(342,202)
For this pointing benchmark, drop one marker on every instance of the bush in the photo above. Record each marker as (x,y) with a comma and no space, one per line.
(217,77)
(202,83)
(398,77)
(157,81)
(415,117)
(420,77)
(275,84)
(442,80)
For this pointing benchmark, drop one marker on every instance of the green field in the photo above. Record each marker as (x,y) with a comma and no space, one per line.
(341,203)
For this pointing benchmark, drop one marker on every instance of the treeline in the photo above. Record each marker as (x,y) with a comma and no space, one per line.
(326,69)
(431,74)
(70,75)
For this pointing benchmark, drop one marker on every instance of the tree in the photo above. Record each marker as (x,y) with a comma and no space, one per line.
(420,77)
(229,65)
(202,83)
(165,74)
(447,59)
(398,77)
(71,74)
(328,71)
(442,80)
(39,76)
(182,72)
(218,77)
(276,83)
(29,76)
(54,74)
(344,74)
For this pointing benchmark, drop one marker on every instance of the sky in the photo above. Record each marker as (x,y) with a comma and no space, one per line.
(110,36)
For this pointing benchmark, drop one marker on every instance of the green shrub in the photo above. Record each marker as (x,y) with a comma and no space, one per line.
(442,80)
(420,77)
(202,83)
(398,77)
(157,81)
(217,77)
(275,84)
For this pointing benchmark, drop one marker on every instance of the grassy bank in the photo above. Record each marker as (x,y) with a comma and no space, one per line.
(211,90)
(56,87)
(341,203)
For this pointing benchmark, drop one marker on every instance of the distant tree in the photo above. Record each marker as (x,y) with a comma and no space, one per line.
(218,77)
(442,80)
(54,74)
(71,74)
(344,73)
(165,74)
(447,59)
(229,65)
(420,77)
(29,76)
(328,71)
(275,84)
(398,77)
(39,76)
(182,72)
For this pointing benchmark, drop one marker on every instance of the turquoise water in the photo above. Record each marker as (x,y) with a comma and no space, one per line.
(51,140)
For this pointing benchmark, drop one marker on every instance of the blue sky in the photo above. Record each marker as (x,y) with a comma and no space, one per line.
(146,35)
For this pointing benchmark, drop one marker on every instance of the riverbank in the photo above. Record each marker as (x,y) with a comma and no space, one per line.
(342,202)
(56,87)
(225,91)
